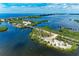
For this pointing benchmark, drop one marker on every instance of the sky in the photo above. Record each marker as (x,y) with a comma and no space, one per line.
(39,8)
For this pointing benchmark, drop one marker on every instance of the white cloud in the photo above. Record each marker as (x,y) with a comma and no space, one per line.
(43,9)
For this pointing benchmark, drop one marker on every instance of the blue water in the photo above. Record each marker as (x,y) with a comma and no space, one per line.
(16,41)
(5,15)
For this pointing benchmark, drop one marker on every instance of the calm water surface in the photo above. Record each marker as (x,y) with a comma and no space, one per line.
(16,41)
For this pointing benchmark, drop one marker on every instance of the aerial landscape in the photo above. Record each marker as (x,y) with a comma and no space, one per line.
(39,29)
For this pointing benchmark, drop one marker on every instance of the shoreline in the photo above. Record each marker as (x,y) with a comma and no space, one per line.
(66,48)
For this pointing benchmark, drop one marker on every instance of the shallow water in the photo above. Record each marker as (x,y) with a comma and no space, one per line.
(16,41)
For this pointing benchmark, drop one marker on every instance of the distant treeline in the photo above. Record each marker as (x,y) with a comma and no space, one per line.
(59,14)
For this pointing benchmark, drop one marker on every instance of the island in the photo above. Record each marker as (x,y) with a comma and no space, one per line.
(3,28)
(21,23)
(2,20)
(61,40)
(33,16)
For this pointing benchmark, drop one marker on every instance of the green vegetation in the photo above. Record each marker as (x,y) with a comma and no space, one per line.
(3,28)
(38,22)
(15,20)
(69,33)
(35,37)
(47,28)
(19,22)
(1,21)
(33,16)
(64,32)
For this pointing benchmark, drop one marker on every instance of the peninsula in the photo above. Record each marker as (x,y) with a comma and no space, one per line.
(53,39)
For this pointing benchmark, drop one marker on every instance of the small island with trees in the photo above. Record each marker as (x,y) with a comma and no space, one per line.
(3,28)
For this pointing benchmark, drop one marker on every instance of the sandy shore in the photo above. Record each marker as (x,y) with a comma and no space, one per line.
(53,41)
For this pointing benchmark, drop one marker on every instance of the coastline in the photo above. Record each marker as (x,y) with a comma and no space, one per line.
(46,44)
